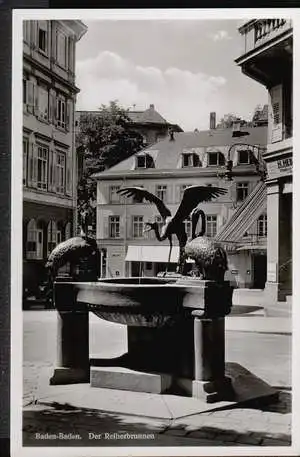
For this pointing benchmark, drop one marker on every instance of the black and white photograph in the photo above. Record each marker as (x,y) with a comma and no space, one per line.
(152,225)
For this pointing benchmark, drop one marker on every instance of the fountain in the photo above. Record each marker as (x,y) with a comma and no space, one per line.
(175,327)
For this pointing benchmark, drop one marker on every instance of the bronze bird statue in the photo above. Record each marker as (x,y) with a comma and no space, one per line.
(210,258)
(174,225)
(73,251)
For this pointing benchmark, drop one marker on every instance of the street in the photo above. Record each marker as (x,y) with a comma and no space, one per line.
(73,422)
(261,353)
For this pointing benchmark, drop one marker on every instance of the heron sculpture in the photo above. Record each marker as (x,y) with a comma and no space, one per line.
(210,257)
(174,225)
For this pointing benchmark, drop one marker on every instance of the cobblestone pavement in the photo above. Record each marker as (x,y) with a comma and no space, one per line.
(64,425)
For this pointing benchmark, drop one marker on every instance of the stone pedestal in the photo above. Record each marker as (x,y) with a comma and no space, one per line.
(72,364)
(210,382)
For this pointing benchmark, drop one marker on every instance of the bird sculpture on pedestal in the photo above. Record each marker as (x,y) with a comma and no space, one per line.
(174,225)
(210,258)
(73,251)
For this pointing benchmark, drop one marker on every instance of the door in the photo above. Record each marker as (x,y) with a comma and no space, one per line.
(259,271)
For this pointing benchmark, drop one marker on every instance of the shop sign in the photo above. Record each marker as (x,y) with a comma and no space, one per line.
(281,167)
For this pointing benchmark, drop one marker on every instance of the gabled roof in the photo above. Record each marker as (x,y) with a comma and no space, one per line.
(167,153)
(149,116)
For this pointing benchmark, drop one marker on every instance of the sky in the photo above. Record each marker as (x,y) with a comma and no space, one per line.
(185,68)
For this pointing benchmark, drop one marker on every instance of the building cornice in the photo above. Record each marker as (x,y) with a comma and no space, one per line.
(50,73)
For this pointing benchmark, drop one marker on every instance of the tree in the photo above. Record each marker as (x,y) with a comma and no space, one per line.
(104,139)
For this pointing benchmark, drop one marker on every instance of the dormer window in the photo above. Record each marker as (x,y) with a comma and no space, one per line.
(144,161)
(190,160)
(244,156)
(216,159)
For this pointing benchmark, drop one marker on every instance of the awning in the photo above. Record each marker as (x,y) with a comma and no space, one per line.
(252,247)
(152,254)
(244,217)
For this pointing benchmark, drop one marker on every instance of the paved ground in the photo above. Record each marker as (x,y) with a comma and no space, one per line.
(246,425)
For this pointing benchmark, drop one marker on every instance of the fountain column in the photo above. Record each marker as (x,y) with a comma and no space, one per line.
(72,364)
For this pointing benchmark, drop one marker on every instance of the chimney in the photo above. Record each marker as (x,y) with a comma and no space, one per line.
(212,121)
(152,106)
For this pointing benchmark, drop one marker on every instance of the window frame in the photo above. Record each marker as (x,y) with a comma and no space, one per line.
(218,155)
(43,115)
(60,33)
(25,161)
(211,225)
(161,191)
(42,184)
(114,226)
(137,226)
(61,114)
(113,192)
(60,187)
(262,226)
(43,27)
(193,160)
(242,187)
(241,151)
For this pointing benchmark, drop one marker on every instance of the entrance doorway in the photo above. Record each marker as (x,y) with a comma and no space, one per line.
(259,262)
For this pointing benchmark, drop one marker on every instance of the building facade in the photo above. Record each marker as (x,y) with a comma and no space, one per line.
(166,169)
(268,58)
(49,156)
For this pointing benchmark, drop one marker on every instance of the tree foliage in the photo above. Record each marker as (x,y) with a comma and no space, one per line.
(104,139)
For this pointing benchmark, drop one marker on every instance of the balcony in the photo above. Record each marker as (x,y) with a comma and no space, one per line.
(267,49)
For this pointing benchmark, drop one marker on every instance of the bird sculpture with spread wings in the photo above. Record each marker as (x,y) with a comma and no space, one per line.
(174,225)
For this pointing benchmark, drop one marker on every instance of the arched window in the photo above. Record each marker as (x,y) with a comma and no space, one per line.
(68,230)
(31,242)
(51,236)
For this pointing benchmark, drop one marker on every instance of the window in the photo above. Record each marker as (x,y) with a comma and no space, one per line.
(58,237)
(141,161)
(25,160)
(60,172)
(42,165)
(113,196)
(160,222)
(68,230)
(182,189)
(61,112)
(42,36)
(26,31)
(216,159)
(188,227)
(262,227)
(28,95)
(137,226)
(144,161)
(43,102)
(161,192)
(242,189)
(51,236)
(136,199)
(61,49)
(190,160)
(244,156)
(114,226)
(211,226)
(31,240)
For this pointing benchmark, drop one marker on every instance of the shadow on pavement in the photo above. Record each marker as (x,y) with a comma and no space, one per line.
(64,425)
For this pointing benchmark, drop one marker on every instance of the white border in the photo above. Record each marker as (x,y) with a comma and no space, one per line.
(17,224)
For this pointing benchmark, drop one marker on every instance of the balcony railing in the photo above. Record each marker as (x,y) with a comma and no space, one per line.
(260,31)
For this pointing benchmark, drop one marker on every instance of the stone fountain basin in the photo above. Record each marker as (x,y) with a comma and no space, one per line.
(150,302)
